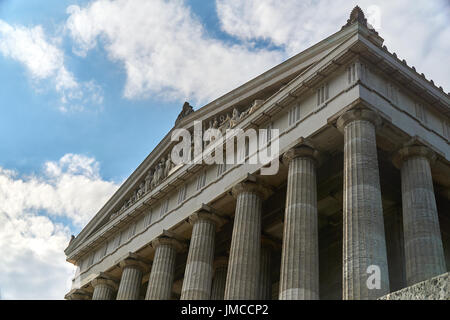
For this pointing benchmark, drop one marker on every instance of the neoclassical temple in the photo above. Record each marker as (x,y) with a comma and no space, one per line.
(362,191)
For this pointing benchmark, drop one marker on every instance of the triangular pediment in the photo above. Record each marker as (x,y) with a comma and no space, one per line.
(243,98)
(246,100)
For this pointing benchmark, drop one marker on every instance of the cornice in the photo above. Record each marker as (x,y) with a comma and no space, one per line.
(407,76)
(350,42)
(288,66)
(271,105)
(283,70)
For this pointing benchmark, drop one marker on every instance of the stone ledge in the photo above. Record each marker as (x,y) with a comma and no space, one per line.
(437,288)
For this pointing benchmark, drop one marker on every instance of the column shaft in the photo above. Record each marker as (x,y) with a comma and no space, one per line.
(103,292)
(299,278)
(130,283)
(161,277)
(364,244)
(244,265)
(265,275)
(199,267)
(218,284)
(424,252)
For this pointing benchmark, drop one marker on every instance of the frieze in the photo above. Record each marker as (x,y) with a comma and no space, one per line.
(164,167)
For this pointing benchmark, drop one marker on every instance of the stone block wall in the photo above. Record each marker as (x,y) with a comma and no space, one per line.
(437,288)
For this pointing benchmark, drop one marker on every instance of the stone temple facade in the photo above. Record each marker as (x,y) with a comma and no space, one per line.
(362,190)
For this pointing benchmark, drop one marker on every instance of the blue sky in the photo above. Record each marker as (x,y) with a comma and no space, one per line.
(34,131)
(88,88)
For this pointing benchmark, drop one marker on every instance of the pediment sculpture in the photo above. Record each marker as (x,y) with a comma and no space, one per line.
(186,110)
(152,179)
(164,166)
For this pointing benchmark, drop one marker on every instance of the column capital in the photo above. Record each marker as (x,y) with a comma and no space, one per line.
(133,260)
(165,240)
(78,294)
(203,214)
(251,186)
(358,114)
(105,279)
(413,151)
(305,150)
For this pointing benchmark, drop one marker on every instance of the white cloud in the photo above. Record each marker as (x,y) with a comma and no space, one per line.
(417,31)
(32,264)
(32,242)
(164,49)
(43,59)
(290,24)
(70,188)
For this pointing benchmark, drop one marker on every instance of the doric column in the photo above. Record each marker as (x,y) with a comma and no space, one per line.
(424,253)
(78,294)
(104,287)
(161,277)
(364,244)
(299,272)
(244,265)
(265,274)
(220,278)
(199,267)
(133,268)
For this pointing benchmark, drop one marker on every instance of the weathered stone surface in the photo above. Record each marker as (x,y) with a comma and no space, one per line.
(265,275)
(133,268)
(162,274)
(424,252)
(363,235)
(244,266)
(78,294)
(199,267)
(104,288)
(220,278)
(437,288)
(299,273)
(130,284)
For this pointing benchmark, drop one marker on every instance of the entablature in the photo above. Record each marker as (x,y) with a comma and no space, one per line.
(310,77)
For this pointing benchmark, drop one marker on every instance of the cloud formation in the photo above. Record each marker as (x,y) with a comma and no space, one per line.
(419,32)
(44,60)
(37,213)
(164,49)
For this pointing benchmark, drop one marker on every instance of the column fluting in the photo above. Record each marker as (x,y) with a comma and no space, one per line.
(104,288)
(199,266)
(220,278)
(133,268)
(265,274)
(365,269)
(244,265)
(299,272)
(424,253)
(162,274)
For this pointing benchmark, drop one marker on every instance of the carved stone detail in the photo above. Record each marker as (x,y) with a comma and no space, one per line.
(253,187)
(187,110)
